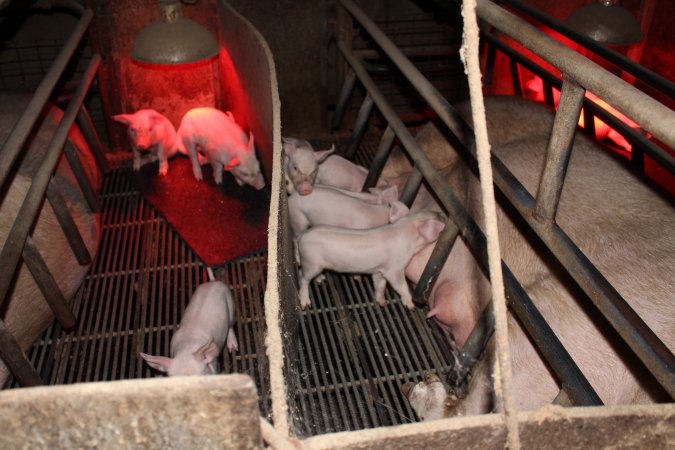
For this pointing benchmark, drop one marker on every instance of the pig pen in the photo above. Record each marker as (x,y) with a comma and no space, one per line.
(329,375)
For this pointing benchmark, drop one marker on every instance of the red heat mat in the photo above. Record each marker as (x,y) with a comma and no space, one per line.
(219,223)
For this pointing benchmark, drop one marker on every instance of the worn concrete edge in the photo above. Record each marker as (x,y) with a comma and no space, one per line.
(490,423)
(275,354)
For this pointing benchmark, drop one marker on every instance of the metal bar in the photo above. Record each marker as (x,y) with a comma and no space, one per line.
(81,177)
(11,252)
(380,159)
(25,124)
(548,94)
(474,345)
(343,99)
(561,363)
(47,284)
(65,219)
(515,78)
(633,136)
(589,121)
(559,151)
(436,261)
(653,79)
(91,136)
(15,359)
(412,185)
(647,112)
(359,126)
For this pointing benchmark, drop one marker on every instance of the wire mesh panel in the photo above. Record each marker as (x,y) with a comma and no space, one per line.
(133,298)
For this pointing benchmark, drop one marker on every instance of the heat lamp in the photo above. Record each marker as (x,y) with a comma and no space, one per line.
(174,39)
(606,22)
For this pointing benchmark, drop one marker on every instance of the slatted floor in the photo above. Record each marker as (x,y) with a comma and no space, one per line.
(133,297)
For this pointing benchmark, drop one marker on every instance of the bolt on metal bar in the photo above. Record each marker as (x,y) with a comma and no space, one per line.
(560,361)
(653,79)
(67,224)
(380,159)
(345,95)
(24,126)
(651,115)
(651,351)
(81,177)
(47,284)
(359,126)
(11,251)
(559,151)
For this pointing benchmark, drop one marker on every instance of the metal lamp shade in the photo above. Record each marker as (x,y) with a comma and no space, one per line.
(176,40)
(606,23)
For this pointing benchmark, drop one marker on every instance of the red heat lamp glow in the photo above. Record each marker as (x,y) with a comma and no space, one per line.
(535,91)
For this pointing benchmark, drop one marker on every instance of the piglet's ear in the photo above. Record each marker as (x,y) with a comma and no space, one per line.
(321,155)
(207,352)
(397,210)
(123,118)
(251,142)
(430,229)
(160,363)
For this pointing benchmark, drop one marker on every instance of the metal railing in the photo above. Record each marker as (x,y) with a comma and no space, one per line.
(579,74)
(18,244)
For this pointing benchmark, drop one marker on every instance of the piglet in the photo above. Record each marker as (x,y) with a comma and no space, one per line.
(302,164)
(329,206)
(222,143)
(383,252)
(207,324)
(151,133)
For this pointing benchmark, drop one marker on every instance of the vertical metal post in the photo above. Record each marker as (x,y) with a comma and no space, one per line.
(47,284)
(81,176)
(15,359)
(515,78)
(359,126)
(559,150)
(436,261)
(91,136)
(380,158)
(68,225)
(343,99)
(411,187)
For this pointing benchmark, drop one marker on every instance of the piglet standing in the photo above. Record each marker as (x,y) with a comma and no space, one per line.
(383,251)
(206,325)
(152,137)
(223,144)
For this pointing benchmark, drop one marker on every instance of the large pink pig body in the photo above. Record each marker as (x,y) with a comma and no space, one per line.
(621,225)
(383,252)
(206,325)
(328,206)
(27,313)
(151,136)
(223,143)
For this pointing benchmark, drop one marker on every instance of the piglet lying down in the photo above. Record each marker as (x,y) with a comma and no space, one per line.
(383,252)
(207,323)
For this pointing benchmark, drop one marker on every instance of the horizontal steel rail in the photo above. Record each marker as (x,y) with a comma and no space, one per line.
(644,110)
